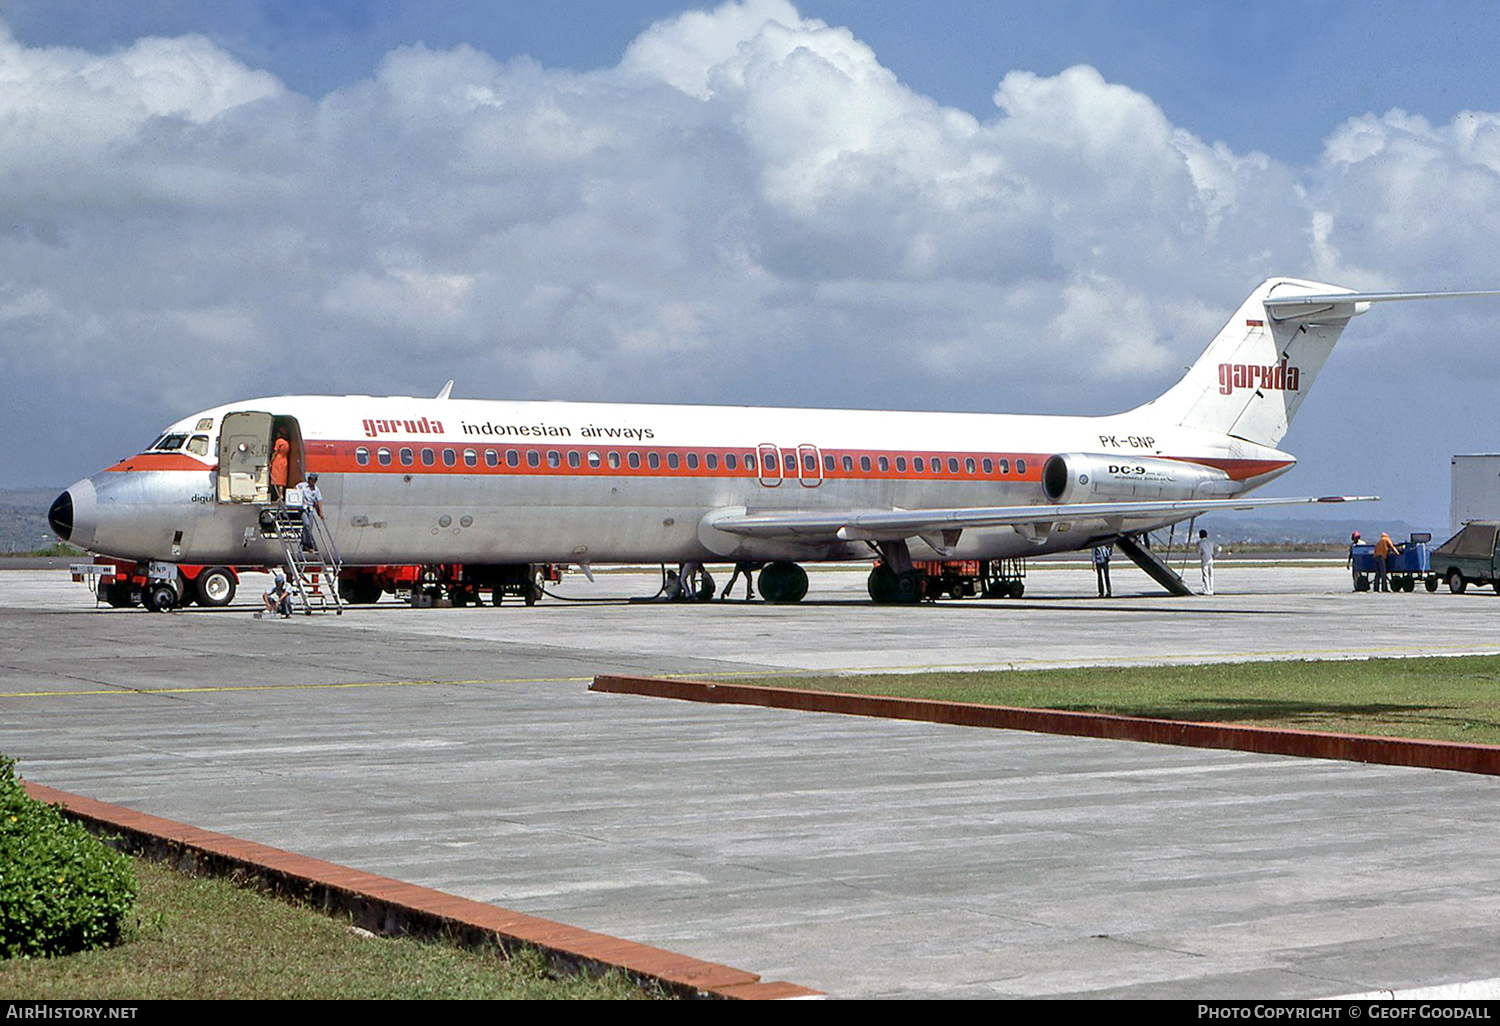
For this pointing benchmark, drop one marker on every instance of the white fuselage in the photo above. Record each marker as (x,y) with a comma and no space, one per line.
(410,480)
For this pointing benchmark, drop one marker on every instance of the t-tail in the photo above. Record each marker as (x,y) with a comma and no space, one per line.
(1253,376)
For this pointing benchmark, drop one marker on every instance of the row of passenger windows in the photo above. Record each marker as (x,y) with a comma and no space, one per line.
(407,457)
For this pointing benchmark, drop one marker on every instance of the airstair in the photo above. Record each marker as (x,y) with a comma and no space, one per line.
(1153,564)
(312,562)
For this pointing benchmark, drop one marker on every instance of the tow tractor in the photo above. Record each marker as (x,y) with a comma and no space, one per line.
(158,586)
(966,578)
(455,584)
(161,587)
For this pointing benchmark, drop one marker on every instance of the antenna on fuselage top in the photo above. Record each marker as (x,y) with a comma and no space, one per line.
(446,390)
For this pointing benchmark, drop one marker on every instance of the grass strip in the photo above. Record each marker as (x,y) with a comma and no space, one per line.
(210,939)
(1442,699)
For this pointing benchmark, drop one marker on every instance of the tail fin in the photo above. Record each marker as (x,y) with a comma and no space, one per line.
(1253,376)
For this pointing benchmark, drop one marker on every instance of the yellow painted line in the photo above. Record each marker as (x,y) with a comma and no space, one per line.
(123,690)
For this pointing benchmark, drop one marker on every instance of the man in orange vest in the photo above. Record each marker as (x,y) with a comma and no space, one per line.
(1384,550)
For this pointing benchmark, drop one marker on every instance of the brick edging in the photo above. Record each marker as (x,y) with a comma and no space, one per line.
(1390,751)
(384,905)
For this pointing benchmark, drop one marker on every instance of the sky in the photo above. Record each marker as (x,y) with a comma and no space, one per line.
(1020,207)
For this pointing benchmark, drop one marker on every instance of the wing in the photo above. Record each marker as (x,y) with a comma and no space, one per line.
(898,524)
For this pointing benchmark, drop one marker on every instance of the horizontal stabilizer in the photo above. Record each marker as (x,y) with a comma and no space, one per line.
(1348,304)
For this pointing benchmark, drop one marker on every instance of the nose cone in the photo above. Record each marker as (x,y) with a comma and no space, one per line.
(60,516)
(72,516)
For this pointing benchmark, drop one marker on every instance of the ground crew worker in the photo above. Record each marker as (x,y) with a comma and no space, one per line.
(1384,550)
(1101,569)
(1353,541)
(1206,561)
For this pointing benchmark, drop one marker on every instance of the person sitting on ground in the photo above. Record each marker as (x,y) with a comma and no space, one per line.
(279,598)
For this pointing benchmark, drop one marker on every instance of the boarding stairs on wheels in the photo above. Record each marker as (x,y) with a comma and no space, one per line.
(312,563)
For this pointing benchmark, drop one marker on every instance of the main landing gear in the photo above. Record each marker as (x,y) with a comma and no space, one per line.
(895,581)
(783,582)
(886,586)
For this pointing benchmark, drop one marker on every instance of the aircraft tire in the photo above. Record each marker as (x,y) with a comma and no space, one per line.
(881,585)
(214,587)
(910,587)
(783,583)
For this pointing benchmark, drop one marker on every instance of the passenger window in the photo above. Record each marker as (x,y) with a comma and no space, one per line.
(1005,466)
(491,458)
(969,467)
(692,461)
(828,464)
(953,464)
(450,458)
(885,464)
(900,464)
(918,464)
(614,460)
(594,461)
(512,458)
(653,460)
(1020,466)
(749,460)
(809,462)
(471,458)
(672,461)
(362,456)
(428,457)
(554,458)
(406,457)
(533,458)
(634,459)
(729,462)
(574,459)
(383,455)
(790,460)
(848,462)
(864,464)
(989,465)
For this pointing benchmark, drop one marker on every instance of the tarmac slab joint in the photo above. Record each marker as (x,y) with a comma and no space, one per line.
(383,905)
(1388,751)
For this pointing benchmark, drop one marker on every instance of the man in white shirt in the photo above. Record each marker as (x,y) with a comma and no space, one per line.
(1206,561)
(309,499)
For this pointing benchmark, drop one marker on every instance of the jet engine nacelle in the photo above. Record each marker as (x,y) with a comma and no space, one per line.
(1087,477)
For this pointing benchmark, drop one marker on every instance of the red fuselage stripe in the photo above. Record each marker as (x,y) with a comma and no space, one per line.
(598,461)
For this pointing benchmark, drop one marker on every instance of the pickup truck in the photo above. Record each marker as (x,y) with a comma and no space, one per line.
(1470,557)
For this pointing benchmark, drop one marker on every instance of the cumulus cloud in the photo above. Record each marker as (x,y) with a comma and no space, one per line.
(750,207)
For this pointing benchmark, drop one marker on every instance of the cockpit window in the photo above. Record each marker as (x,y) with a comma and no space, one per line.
(169,443)
(198,445)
